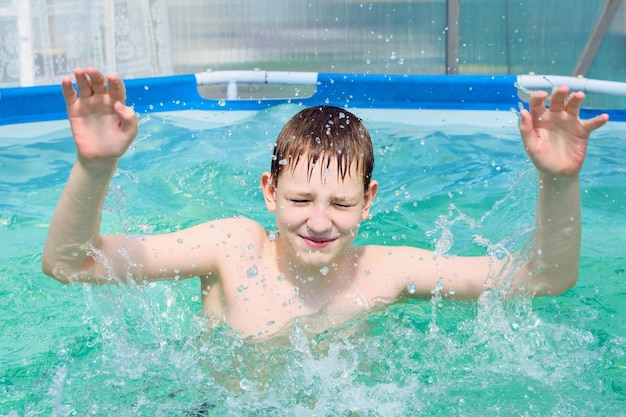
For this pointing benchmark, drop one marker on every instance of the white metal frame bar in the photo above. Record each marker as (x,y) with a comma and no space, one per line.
(587,85)
(232,78)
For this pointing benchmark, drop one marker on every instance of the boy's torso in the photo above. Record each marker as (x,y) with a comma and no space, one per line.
(254,296)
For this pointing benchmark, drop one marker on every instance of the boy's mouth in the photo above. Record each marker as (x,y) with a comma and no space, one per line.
(317,242)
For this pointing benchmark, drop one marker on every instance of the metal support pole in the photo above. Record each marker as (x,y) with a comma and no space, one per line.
(595,39)
(452,39)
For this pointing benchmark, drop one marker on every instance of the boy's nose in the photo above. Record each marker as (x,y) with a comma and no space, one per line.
(319,220)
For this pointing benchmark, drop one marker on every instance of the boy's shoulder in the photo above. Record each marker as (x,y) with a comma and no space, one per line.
(235,228)
(224,243)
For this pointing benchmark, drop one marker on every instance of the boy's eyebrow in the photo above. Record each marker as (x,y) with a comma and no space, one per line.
(297,193)
(302,194)
(344,199)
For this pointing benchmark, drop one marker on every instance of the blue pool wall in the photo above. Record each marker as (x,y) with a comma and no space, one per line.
(180,92)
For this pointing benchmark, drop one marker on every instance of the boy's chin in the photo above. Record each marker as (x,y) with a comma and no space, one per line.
(316,261)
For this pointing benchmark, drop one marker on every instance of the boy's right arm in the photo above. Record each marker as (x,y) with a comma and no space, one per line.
(103,129)
(75,251)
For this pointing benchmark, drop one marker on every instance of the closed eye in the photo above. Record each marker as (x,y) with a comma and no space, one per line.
(343,204)
(298,201)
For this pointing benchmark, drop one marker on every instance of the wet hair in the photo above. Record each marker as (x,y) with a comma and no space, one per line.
(324,135)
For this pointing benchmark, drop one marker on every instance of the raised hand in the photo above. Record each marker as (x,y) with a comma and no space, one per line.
(555,138)
(102,125)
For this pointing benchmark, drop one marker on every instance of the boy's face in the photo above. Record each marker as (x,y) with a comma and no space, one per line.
(317,218)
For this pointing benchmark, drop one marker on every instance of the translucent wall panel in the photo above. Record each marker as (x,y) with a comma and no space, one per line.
(402,36)
(42,40)
(321,35)
(513,37)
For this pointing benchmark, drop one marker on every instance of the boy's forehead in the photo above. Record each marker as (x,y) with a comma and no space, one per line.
(324,164)
(309,171)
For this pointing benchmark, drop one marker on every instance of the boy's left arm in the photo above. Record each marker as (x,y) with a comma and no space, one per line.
(555,139)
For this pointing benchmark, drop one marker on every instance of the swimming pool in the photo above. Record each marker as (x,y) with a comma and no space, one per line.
(457,181)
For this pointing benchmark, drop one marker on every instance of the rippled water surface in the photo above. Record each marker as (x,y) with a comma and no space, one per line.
(446,184)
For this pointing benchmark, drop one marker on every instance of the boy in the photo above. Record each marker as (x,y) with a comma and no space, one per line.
(320,189)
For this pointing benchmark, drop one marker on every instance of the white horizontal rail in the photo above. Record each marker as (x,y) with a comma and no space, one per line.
(587,85)
(232,78)
(262,77)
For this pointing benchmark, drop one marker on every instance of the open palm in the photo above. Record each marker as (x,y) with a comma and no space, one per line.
(102,125)
(555,138)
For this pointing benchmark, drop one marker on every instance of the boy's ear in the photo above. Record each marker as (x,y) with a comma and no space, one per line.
(369,197)
(269,191)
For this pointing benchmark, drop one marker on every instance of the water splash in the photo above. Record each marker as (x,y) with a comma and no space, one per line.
(56,392)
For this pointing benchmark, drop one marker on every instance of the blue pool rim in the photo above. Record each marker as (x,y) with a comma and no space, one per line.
(180,92)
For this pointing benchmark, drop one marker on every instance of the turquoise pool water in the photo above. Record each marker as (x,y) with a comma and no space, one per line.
(454,182)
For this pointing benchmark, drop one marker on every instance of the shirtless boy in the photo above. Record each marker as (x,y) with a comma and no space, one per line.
(320,189)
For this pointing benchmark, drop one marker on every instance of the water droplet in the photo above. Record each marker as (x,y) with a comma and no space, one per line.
(271,236)
(221,103)
(179,240)
(324,270)
(246,385)
(282,162)
(411,288)
(252,272)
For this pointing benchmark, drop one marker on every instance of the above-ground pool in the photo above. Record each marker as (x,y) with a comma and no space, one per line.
(452,180)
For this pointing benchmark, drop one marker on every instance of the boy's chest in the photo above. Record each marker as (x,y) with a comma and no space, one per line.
(258,299)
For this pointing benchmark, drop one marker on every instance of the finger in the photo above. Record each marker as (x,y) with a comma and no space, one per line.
(69,94)
(598,121)
(117,91)
(572,106)
(83,83)
(526,128)
(127,116)
(98,83)
(557,101)
(525,122)
(537,103)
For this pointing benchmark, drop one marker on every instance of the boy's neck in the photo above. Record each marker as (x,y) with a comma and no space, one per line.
(315,283)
